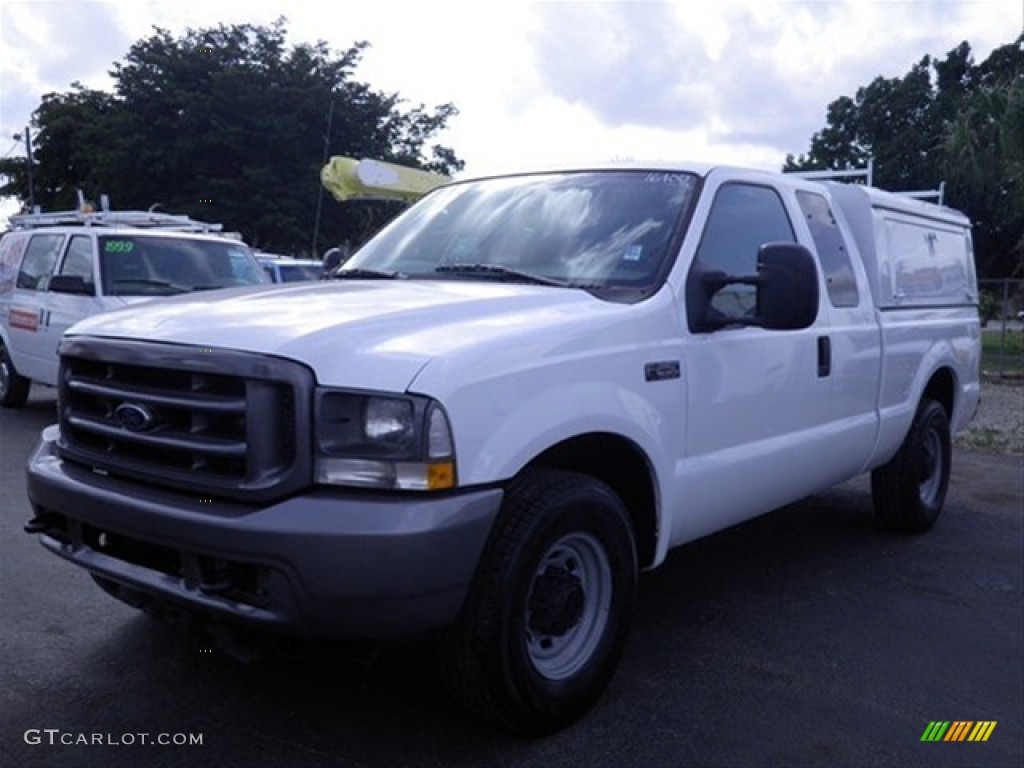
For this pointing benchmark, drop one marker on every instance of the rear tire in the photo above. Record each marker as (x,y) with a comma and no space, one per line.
(546,618)
(13,386)
(909,491)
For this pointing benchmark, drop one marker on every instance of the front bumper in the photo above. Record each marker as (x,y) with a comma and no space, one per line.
(326,563)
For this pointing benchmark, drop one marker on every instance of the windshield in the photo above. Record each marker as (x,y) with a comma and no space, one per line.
(598,231)
(140,265)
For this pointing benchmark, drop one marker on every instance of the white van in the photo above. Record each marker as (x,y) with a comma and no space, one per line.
(58,268)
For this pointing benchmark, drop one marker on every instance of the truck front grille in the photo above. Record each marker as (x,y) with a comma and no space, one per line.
(202,420)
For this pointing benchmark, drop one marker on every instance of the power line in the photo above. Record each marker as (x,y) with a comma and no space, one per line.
(13,147)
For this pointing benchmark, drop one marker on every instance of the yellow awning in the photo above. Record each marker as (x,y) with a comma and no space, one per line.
(349,179)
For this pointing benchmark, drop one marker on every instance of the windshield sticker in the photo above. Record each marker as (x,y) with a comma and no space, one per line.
(119,246)
(633,253)
(673,179)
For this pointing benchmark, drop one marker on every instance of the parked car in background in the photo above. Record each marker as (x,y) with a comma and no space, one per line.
(284,269)
(59,268)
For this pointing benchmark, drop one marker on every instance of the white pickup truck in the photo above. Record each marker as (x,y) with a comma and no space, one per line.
(519,394)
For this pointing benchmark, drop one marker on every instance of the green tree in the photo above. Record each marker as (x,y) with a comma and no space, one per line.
(227,124)
(947,120)
(983,158)
(890,120)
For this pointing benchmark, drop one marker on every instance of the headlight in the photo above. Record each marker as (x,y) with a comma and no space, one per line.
(383,441)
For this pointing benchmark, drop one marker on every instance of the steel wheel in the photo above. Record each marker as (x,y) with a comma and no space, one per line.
(910,490)
(546,618)
(931,468)
(568,605)
(13,386)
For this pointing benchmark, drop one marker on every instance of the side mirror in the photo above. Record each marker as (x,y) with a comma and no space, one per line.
(787,291)
(71,284)
(334,258)
(787,287)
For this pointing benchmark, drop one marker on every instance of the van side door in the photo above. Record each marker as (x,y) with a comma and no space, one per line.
(29,346)
(63,309)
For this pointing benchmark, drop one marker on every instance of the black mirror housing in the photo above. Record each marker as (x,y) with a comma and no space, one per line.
(787,287)
(787,291)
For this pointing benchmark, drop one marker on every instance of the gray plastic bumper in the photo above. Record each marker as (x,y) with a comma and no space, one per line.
(327,563)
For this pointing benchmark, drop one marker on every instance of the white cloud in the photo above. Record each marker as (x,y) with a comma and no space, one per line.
(738,81)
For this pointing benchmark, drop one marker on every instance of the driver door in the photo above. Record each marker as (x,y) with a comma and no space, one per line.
(756,398)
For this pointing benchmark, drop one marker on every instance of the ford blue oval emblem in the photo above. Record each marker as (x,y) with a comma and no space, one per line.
(134,416)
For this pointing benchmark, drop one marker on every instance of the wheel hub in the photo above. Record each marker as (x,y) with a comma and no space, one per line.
(929,470)
(556,603)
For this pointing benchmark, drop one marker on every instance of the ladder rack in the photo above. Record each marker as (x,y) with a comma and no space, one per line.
(135,219)
(938,194)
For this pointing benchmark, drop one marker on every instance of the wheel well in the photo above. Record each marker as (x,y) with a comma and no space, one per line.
(620,464)
(942,388)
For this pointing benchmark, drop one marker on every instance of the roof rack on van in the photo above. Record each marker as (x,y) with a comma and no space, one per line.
(138,219)
(86,215)
(937,195)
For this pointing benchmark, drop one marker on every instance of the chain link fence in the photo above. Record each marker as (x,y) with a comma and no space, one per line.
(1001,308)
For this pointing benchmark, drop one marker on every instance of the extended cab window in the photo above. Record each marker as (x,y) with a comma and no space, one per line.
(40,257)
(832,250)
(743,217)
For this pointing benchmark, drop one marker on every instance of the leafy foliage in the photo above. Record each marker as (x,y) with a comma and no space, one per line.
(945,120)
(228,124)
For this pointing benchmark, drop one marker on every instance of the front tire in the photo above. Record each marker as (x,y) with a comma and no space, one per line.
(909,491)
(546,618)
(13,386)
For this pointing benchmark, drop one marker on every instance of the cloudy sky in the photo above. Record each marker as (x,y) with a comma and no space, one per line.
(734,81)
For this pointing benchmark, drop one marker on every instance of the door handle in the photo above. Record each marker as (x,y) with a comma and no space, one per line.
(824,356)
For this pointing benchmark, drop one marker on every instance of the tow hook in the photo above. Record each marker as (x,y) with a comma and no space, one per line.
(41,523)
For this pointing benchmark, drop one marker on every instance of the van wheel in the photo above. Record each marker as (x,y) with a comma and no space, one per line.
(13,386)
(909,491)
(546,618)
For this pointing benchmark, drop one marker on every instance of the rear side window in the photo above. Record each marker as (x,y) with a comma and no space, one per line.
(832,250)
(12,248)
(37,266)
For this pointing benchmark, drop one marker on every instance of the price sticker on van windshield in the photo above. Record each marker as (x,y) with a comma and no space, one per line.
(118,246)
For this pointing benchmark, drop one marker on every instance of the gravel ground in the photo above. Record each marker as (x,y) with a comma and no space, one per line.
(998,427)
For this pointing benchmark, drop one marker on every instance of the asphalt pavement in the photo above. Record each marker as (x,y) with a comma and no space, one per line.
(804,638)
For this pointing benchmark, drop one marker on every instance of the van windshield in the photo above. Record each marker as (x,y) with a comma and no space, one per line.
(600,231)
(143,265)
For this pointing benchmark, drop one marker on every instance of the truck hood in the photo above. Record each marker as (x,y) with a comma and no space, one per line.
(362,334)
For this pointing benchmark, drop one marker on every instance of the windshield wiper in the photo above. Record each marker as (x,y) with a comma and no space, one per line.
(500,272)
(177,288)
(360,273)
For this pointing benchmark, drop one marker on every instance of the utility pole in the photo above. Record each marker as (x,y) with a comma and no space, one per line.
(28,154)
(320,193)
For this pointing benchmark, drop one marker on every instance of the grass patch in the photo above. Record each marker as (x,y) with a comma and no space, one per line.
(1002,352)
(990,440)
